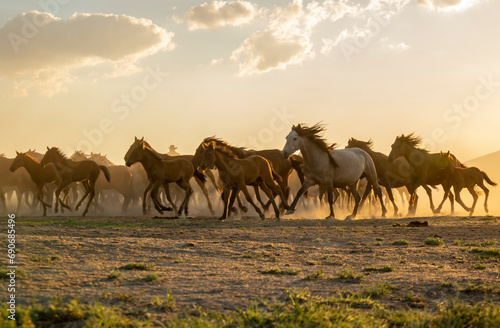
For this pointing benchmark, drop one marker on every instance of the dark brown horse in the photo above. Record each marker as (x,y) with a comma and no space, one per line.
(70,171)
(465,177)
(41,175)
(199,177)
(160,173)
(426,171)
(391,175)
(237,173)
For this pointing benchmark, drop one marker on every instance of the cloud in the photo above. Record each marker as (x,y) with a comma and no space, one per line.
(39,49)
(397,46)
(215,14)
(448,5)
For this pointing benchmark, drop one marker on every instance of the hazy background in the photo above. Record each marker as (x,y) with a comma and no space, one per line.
(247,71)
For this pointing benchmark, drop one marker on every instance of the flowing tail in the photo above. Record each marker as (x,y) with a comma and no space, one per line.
(487,178)
(200,176)
(105,170)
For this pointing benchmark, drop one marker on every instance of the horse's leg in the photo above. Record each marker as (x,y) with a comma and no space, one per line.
(459,199)
(486,195)
(211,176)
(378,193)
(145,198)
(429,194)
(475,197)
(232,197)
(270,195)
(391,198)
(257,194)
(40,198)
(166,188)
(155,196)
(330,203)
(355,194)
(61,186)
(244,189)
(225,198)
(2,198)
(242,207)
(205,192)
(19,200)
(87,192)
(189,191)
(90,186)
(305,186)
(366,193)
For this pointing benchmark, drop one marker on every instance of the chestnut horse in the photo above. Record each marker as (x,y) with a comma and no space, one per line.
(236,174)
(85,171)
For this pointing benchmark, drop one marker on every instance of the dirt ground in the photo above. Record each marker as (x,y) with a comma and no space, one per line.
(221,265)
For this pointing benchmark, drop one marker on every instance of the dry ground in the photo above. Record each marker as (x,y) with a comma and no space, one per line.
(222,265)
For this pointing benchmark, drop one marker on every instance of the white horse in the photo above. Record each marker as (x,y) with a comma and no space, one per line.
(330,168)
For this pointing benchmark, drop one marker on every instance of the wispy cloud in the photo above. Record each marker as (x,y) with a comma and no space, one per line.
(448,5)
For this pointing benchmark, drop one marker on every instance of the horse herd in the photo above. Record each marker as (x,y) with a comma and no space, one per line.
(54,178)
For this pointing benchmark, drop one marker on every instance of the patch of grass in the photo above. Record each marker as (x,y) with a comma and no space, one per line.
(377,244)
(278,271)
(167,303)
(487,251)
(459,242)
(478,266)
(479,288)
(411,298)
(434,241)
(114,274)
(151,277)
(349,274)
(485,243)
(178,260)
(400,242)
(310,262)
(379,289)
(352,242)
(20,273)
(317,240)
(379,239)
(316,275)
(247,255)
(138,266)
(385,268)
(340,230)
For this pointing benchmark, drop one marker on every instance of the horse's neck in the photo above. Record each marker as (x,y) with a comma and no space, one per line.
(149,161)
(33,167)
(222,161)
(312,154)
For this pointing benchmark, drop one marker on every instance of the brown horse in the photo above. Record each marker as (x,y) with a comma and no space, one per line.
(426,171)
(85,171)
(121,180)
(390,175)
(282,166)
(40,175)
(236,174)
(465,177)
(198,177)
(19,180)
(162,172)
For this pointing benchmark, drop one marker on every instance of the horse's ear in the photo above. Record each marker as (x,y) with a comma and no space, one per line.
(17,153)
(136,138)
(448,154)
(142,139)
(48,148)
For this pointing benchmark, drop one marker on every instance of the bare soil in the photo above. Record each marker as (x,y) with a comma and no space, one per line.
(219,265)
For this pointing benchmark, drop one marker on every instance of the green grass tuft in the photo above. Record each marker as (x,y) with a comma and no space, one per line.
(400,242)
(138,266)
(434,241)
(349,274)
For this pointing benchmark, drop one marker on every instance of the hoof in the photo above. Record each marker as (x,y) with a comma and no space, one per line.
(234,210)
(288,212)
(330,218)
(222,218)
(349,218)
(244,209)
(262,216)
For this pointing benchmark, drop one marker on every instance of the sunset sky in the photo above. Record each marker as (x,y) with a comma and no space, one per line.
(94,74)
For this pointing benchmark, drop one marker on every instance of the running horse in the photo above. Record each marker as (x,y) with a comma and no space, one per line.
(330,168)
(70,171)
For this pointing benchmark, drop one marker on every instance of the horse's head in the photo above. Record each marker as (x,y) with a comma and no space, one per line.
(135,154)
(207,158)
(355,143)
(403,145)
(52,155)
(444,160)
(137,143)
(18,161)
(293,142)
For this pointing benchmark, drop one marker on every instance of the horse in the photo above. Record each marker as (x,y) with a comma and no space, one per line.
(283,167)
(19,180)
(237,173)
(40,175)
(390,175)
(465,177)
(71,171)
(121,180)
(162,172)
(330,168)
(198,177)
(425,170)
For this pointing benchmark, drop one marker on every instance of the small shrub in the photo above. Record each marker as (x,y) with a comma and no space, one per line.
(379,289)
(400,242)
(151,277)
(278,271)
(316,275)
(479,266)
(114,274)
(434,241)
(138,266)
(349,274)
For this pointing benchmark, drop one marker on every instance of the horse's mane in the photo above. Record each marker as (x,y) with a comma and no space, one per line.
(221,144)
(59,152)
(153,152)
(226,150)
(30,157)
(313,134)
(361,144)
(412,140)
